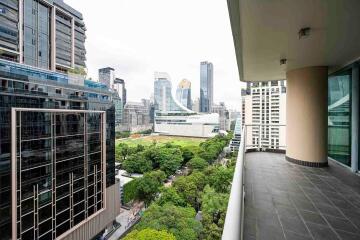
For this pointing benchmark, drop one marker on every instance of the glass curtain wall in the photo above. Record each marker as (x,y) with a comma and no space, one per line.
(339,117)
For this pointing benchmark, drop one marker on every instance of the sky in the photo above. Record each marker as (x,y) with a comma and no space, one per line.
(139,37)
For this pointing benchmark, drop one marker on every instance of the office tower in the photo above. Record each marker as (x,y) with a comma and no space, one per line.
(196,105)
(206,86)
(119,108)
(119,86)
(44,34)
(224,117)
(263,106)
(56,130)
(107,76)
(183,93)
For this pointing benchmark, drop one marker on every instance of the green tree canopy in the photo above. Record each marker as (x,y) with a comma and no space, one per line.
(137,163)
(197,163)
(169,195)
(220,178)
(179,221)
(169,159)
(122,151)
(149,234)
(214,207)
(148,186)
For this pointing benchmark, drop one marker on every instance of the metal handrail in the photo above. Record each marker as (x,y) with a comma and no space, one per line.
(234,220)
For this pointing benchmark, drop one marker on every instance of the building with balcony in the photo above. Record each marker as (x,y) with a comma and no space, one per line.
(264,107)
(206,86)
(311,191)
(45,34)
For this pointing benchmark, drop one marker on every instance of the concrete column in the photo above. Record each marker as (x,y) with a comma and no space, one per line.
(306,116)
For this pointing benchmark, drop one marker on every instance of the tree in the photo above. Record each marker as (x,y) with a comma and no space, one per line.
(220,178)
(130,191)
(213,208)
(179,221)
(149,234)
(168,159)
(123,151)
(197,163)
(137,163)
(187,154)
(169,195)
(148,186)
(190,188)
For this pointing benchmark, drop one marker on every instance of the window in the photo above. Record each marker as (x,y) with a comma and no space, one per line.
(339,117)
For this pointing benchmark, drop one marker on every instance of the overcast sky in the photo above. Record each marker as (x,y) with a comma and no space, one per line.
(139,37)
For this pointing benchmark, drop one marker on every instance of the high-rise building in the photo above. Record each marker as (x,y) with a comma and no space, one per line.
(224,117)
(119,86)
(107,76)
(183,93)
(57,138)
(163,97)
(196,105)
(44,34)
(264,108)
(206,86)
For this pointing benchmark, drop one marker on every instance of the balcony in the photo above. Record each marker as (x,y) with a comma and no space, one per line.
(272,198)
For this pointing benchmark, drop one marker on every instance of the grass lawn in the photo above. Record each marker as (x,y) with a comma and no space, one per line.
(182,141)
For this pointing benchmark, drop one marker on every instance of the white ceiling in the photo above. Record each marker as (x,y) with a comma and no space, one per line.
(267,30)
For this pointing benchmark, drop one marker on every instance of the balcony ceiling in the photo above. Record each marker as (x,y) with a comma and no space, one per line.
(266,31)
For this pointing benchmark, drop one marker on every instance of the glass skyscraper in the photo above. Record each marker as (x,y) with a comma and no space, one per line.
(206,86)
(57,130)
(183,93)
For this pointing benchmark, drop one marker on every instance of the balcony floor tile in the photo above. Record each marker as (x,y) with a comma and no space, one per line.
(287,201)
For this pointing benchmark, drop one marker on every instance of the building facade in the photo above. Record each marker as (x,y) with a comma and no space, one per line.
(183,93)
(45,34)
(224,116)
(264,109)
(63,135)
(172,118)
(119,86)
(57,139)
(206,86)
(107,77)
(136,116)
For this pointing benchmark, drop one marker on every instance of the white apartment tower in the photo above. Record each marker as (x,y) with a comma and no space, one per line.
(264,113)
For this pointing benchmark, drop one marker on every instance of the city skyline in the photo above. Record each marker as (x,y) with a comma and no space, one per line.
(135,60)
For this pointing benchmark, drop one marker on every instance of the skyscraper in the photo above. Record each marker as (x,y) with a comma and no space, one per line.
(107,76)
(119,86)
(206,86)
(164,100)
(263,107)
(57,139)
(183,93)
(51,36)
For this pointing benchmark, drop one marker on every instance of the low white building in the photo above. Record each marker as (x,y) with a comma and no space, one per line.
(187,124)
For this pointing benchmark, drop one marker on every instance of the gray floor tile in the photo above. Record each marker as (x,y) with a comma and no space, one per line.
(294,236)
(342,224)
(347,236)
(267,232)
(304,205)
(321,232)
(287,212)
(312,217)
(294,225)
(329,210)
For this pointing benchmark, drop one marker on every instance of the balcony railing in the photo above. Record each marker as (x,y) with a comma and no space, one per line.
(234,220)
